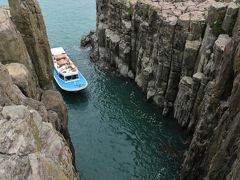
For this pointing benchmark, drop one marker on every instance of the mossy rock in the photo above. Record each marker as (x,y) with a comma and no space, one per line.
(130,10)
(130,13)
(217,26)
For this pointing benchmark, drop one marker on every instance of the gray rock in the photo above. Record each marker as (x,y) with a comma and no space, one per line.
(53,101)
(236,62)
(23,79)
(25,132)
(205,49)
(182,61)
(230,17)
(31,148)
(88,40)
(190,57)
(216,14)
(27,16)
(218,49)
(182,106)
(8,95)
(12,46)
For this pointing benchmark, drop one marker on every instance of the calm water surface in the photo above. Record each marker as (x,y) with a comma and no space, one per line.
(116,134)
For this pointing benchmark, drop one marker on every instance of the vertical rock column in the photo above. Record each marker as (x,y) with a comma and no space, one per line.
(13,50)
(214,150)
(27,16)
(146,41)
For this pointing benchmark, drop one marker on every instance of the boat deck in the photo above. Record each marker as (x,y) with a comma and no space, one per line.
(75,85)
(66,73)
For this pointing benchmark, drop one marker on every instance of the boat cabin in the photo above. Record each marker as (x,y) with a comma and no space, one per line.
(65,68)
(65,73)
(68,78)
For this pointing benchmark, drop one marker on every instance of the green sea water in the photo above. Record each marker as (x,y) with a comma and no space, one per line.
(116,134)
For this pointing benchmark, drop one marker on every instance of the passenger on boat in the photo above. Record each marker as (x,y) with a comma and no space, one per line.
(60,56)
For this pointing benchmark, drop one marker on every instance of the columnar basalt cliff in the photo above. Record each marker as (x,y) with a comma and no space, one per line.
(185,56)
(27,17)
(35,143)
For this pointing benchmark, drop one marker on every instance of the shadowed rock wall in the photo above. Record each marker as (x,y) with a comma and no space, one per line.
(185,56)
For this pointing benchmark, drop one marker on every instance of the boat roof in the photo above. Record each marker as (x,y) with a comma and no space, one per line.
(56,51)
(66,69)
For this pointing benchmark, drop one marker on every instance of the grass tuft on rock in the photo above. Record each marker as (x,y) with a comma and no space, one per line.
(217,26)
(130,10)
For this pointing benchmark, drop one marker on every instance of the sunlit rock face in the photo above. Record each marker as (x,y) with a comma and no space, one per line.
(35,143)
(13,49)
(185,56)
(23,79)
(27,16)
(12,45)
(31,147)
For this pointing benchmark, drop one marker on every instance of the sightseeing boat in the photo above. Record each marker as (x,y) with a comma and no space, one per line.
(66,74)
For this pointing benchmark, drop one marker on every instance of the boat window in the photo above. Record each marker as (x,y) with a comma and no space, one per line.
(68,78)
(61,76)
(75,77)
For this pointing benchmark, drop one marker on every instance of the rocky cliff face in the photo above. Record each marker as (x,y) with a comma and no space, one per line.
(34,138)
(185,57)
(31,147)
(27,16)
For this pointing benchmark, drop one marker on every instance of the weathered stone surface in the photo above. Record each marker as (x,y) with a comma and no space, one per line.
(88,40)
(54,102)
(134,45)
(27,17)
(183,101)
(216,14)
(28,141)
(236,60)
(236,29)
(12,47)
(179,56)
(23,79)
(8,94)
(31,148)
(190,57)
(37,106)
(230,17)
(218,49)
(205,49)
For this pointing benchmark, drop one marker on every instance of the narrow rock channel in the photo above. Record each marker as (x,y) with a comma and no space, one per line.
(158,72)
(116,134)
